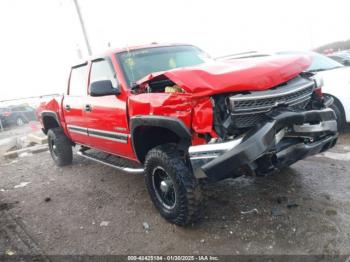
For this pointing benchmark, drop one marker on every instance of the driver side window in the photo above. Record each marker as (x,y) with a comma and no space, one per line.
(103,70)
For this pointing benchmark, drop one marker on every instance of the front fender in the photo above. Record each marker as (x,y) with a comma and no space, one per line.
(149,131)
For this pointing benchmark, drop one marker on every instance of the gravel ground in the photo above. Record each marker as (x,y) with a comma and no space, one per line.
(88,208)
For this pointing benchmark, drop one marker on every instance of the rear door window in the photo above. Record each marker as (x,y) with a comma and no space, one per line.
(78,84)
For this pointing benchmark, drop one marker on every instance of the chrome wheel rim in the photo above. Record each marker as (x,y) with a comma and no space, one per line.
(53,147)
(164,187)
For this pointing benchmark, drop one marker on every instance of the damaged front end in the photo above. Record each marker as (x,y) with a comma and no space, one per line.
(265,130)
(243,118)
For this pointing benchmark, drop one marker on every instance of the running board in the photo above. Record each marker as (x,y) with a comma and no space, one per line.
(128,170)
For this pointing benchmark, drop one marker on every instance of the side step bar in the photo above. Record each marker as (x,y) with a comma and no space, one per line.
(128,170)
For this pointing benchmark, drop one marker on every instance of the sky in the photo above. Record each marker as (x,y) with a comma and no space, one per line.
(41,39)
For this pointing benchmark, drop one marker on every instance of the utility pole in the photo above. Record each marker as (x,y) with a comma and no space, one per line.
(82,27)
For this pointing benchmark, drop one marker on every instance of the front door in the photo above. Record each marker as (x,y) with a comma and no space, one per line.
(107,117)
(73,104)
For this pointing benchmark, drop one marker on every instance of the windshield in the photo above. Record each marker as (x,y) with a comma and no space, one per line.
(319,62)
(138,63)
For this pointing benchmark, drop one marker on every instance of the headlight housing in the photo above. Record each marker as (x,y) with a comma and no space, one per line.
(318,81)
(318,85)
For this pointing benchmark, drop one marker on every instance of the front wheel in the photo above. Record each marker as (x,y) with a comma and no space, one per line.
(60,147)
(339,112)
(172,186)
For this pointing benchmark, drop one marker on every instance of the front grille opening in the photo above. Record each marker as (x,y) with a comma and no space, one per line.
(262,103)
(248,110)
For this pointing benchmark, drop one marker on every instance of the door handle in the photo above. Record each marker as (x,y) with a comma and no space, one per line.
(87,108)
(67,107)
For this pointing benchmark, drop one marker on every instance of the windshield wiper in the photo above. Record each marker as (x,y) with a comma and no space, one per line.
(318,70)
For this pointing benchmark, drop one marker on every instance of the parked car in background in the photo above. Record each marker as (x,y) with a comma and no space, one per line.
(341,57)
(336,82)
(17,115)
(336,78)
(2,117)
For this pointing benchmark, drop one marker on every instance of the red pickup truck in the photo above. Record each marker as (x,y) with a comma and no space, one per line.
(185,118)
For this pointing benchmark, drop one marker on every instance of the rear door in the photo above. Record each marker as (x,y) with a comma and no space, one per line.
(107,117)
(73,104)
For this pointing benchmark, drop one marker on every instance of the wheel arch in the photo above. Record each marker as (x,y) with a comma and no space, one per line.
(50,120)
(339,102)
(148,132)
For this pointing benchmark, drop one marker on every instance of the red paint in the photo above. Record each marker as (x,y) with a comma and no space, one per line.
(193,108)
(108,113)
(240,75)
(318,92)
(202,118)
(196,140)
(7,113)
(53,105)
(164,104)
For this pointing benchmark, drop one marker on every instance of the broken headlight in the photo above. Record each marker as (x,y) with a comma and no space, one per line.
(318,85)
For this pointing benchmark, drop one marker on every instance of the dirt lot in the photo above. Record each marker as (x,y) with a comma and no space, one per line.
(88,208)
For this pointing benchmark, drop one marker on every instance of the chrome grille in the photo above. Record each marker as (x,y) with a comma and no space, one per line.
(249,109)
(264,101)
(268,103)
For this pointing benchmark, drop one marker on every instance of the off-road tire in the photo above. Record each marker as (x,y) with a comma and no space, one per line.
(188,204)
(60,147)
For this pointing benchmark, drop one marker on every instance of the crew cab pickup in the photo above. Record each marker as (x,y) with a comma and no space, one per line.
(179,117)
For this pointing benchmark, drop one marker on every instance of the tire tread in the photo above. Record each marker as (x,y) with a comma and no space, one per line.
(190,208)
(64,154)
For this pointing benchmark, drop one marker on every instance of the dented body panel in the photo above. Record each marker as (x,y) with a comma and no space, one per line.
(52,107)
(195,113)
(223,77)
(164,104)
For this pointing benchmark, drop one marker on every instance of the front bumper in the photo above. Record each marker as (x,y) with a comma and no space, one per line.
(286,138)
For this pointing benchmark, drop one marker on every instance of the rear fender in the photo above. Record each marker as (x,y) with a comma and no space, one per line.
(52,111)
(49,120)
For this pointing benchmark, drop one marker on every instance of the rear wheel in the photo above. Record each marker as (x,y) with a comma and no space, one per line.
(60,147)
(172,186)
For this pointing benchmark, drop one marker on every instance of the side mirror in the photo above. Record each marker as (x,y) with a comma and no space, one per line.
(103,88)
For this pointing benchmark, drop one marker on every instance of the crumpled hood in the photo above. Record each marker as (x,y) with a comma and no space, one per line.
(236,75)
